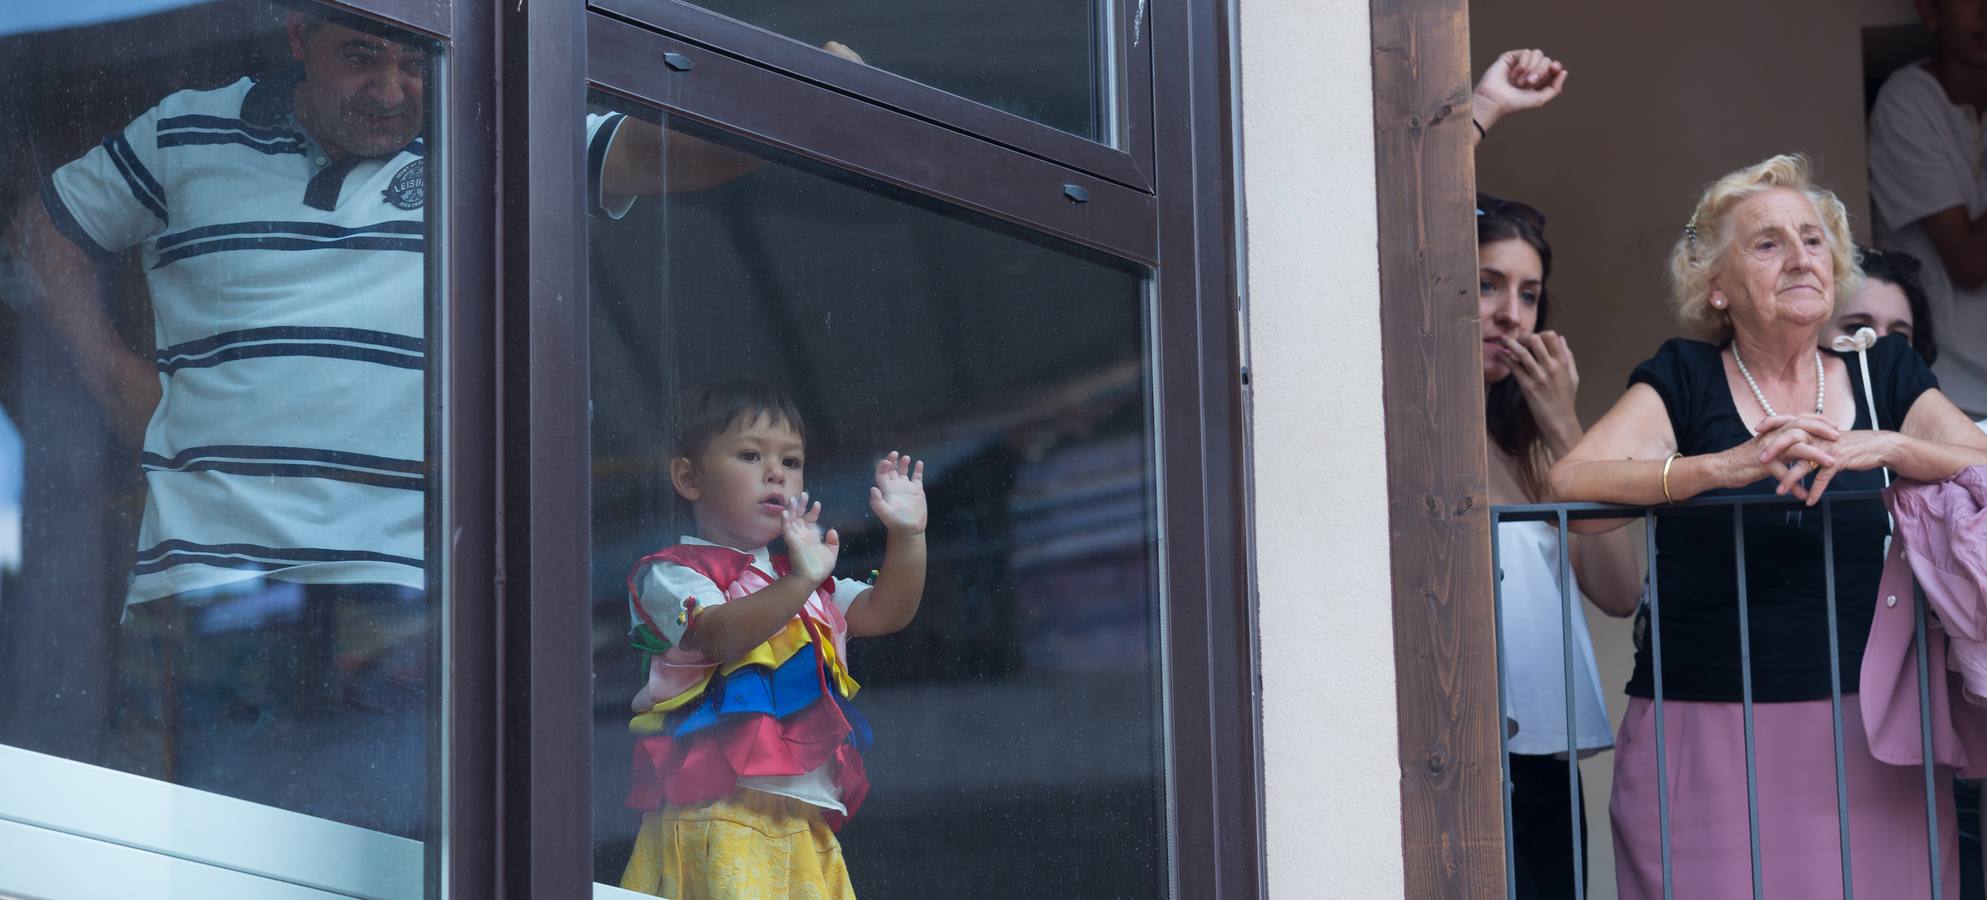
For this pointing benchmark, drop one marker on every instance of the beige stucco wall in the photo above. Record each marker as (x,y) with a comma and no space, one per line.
(1332,781)
(1663,98)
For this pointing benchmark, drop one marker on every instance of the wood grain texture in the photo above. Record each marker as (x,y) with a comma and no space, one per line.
(1452,822)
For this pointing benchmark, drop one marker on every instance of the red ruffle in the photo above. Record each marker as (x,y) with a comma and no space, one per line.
(853,783)
(708,764)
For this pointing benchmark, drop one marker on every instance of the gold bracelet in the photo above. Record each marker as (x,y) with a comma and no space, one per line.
(1666,476)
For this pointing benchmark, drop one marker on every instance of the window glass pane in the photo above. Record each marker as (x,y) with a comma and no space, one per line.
(213,474)
(1057,62)
(1010,737)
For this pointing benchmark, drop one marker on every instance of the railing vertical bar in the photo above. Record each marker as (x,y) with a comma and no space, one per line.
(1566,594)
(1662,749)
(1745,697)
(1925,739)
(1835,692)
(1503,714)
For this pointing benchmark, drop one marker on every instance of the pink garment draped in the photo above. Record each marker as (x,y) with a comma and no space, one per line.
(1939,543)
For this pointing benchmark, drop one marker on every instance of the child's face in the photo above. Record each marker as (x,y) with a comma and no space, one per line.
(741,481)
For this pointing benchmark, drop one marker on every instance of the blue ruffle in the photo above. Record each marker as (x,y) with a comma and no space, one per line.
(859,733)
(779,693)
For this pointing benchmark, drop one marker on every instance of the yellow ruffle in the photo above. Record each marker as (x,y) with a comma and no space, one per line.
(844,682)
(745,846)
(770,654)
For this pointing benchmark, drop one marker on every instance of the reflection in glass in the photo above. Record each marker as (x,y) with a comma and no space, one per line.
(1016,722)
(1056,62)
(215,334)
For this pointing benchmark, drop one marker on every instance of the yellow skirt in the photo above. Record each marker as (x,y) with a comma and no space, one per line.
(748,845)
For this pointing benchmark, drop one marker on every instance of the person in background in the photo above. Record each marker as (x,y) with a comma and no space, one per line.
(1530,384)
(1892,301)
(1928,187)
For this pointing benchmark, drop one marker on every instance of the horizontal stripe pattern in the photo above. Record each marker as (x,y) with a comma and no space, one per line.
(199,130)
(167,554)
(268,356)
(220,138)
(308,229)
(294,462)
(399,234)
(356,344)
(223,123)
(138,178)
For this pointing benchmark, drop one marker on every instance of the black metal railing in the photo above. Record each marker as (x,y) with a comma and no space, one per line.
(1563,513)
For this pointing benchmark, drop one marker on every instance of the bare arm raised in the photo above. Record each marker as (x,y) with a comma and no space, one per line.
(898,499)
(1517,80)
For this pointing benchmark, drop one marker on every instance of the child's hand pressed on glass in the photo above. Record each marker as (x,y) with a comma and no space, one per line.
(898,499)
(811,554)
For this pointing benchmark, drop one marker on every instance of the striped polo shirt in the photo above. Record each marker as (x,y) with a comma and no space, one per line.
(288,298)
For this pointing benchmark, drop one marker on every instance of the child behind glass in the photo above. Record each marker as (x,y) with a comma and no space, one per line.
(749,755)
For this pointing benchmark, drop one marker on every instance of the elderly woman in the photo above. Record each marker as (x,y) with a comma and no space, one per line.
(1761,411)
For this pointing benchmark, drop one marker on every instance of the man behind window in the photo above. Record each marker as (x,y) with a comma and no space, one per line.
(282,228)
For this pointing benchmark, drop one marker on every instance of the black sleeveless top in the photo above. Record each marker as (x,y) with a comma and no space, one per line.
(1696,570)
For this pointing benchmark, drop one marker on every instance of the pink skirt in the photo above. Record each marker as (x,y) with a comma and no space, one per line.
(1800,846)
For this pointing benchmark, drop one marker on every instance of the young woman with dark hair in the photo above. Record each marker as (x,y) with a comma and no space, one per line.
(1891,301)
(1530,381)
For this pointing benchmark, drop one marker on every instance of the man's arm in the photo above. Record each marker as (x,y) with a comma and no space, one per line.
(1962,246)
(121,381)
(645,158)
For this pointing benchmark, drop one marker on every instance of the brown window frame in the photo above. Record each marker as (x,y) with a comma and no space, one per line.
(510,443)
(1130,165)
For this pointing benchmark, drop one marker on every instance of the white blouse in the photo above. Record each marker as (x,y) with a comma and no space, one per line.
(1533,651)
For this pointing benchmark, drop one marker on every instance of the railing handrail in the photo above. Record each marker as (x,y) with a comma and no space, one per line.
(1545,512)
(1561,515)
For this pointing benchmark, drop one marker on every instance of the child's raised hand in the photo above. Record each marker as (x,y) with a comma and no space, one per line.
(811,554)
(899,495)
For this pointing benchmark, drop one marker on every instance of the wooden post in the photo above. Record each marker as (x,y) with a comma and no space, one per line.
(1452,821)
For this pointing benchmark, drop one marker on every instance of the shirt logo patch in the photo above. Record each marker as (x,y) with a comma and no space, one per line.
(409,188)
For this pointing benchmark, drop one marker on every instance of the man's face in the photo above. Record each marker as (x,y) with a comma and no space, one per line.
(1961,26)
(361,95)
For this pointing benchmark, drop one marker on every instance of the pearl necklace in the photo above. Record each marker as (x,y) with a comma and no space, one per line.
(1821,385)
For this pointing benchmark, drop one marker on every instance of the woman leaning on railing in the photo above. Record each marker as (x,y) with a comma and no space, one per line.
(1761,411)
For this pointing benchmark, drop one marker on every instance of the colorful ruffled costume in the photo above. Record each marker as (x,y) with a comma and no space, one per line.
(709,733)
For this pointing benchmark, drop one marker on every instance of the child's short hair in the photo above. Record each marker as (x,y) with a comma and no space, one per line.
(708,410)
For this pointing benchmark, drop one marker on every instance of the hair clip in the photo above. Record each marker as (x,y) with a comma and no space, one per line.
(1690,232)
